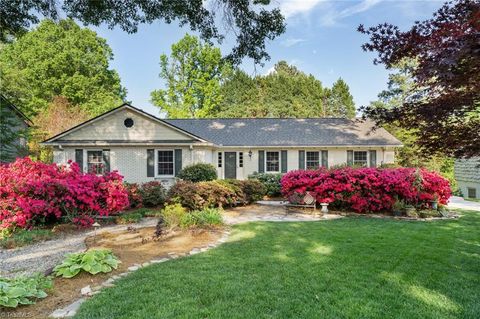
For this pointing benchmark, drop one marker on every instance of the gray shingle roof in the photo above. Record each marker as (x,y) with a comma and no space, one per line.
(286,132)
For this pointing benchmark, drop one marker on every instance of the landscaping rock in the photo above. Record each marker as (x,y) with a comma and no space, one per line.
(133,268)
(86,291)
(145,264)
(157,261)
(68,311)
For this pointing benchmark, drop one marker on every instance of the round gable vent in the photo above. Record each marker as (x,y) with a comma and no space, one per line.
(128,122)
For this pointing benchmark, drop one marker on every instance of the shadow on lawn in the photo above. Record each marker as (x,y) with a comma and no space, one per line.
(346,268)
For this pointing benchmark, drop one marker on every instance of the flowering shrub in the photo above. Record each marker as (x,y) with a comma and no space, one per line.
(368,189)
(134,197)
(35,192)
(152,194)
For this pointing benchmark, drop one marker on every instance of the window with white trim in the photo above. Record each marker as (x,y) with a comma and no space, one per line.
(165,163)
(360,158)
(240,159)
(95,162)
(312,160)
(272,161)
(219,159)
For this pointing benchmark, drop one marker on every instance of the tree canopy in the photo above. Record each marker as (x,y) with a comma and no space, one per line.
(284,92)
(252,22)
(193,72)
(444,110)
(60,59)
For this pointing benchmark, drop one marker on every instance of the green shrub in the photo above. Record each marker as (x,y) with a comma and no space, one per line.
(200,172)
(128,218)
(270,181)
(93,261)
(208,217)
(21,237)
(236,186)
(254,190)
(173,214)
(152,193)
(196,196)
(23,290)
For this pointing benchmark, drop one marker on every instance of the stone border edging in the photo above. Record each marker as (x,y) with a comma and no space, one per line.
(87,291)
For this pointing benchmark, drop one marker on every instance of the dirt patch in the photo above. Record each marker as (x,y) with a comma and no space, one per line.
(131,247)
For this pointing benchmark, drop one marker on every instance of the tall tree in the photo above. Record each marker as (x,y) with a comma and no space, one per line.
(194,73)
(445,115)
(340,101)
(11,132)
(252,22)
(60,59)
(59,116)
(284,92)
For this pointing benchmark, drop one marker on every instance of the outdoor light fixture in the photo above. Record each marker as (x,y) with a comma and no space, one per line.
(250,154)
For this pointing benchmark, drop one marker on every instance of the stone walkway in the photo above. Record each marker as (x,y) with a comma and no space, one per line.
(42,256)
(459,202)
(273,211)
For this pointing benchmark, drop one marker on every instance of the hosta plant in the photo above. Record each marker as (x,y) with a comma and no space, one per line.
(93,261)
(23,290)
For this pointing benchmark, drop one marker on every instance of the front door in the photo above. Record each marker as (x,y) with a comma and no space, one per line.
(231,165)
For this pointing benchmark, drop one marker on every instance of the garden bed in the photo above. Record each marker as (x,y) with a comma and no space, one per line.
(128,247)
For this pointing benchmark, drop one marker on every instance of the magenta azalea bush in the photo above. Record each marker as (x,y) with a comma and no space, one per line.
(34,193)
(367,189)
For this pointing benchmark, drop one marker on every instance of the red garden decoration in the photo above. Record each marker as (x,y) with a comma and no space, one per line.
(368,189)
(35,192)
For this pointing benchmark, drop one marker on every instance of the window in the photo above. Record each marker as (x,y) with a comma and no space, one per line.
(472,192)
(219,159)
(95,162)
(273,162)
(240,159)
(128,122)
(312,160)
(360,158)
(165,163)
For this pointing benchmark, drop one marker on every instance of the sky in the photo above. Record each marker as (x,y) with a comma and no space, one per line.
(321,38)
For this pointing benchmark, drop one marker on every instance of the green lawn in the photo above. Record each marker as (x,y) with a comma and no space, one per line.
(349,268)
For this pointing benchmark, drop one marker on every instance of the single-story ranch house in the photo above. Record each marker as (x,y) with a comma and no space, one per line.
(143,147)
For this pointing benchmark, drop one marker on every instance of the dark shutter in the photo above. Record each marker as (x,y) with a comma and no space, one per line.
(178,161)
(79,158)
(261,161)
(284,161)
(350,158)
(325,159)
(373,158)
(106,160)
(150,163)
(301,159)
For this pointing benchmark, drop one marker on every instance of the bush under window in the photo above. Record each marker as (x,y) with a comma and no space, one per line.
(200,172)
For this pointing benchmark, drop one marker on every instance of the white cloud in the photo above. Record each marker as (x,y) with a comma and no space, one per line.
(333,16)
(292,41)
(291,8)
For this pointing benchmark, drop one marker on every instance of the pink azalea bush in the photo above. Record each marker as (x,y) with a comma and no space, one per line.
(35,192)
(367,189)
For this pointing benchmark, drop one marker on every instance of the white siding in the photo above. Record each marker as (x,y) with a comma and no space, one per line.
(112,127)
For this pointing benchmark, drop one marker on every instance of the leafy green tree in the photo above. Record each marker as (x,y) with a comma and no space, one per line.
(60,59)
(284,92)
(252,22)
(12,131)
(194,73)
(340,101)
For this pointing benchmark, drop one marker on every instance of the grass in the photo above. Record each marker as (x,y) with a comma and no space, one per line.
(348,268)
(22,237)
(473,199)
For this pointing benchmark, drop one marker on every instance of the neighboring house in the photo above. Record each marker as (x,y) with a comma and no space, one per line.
(12,122)
(143,147)
(467,174)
